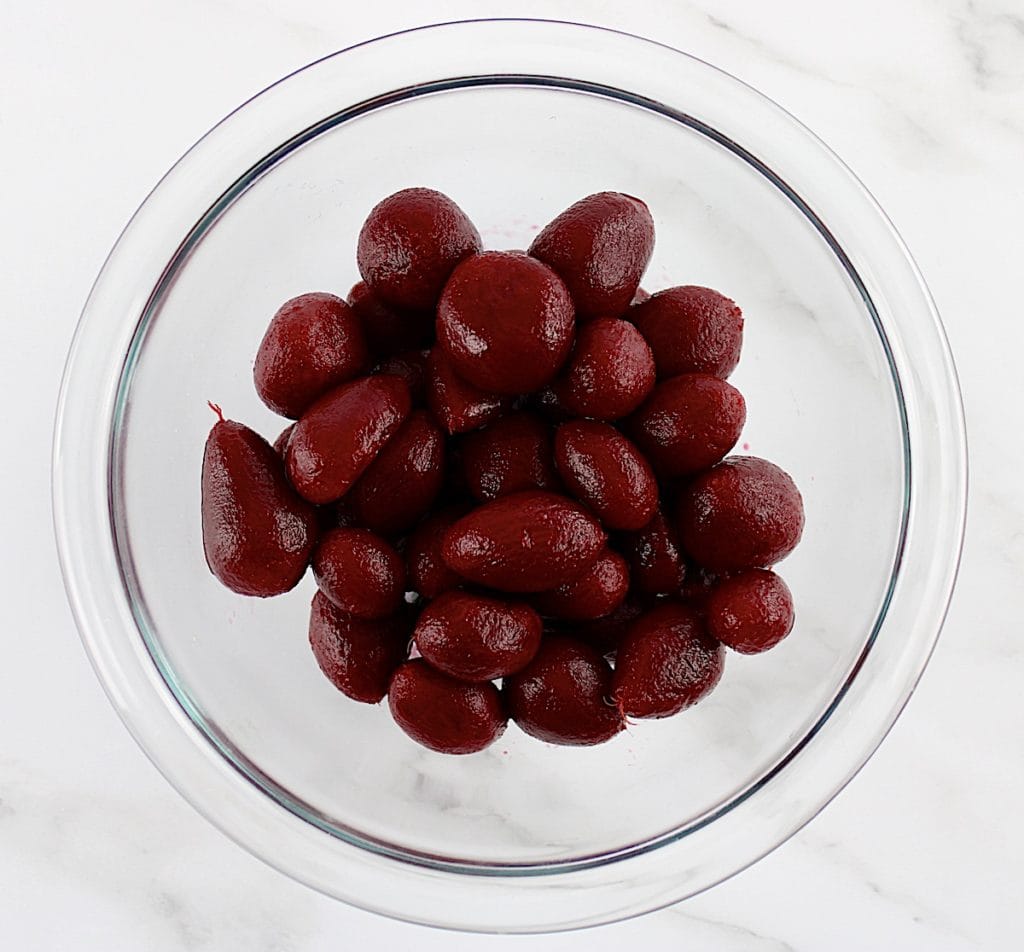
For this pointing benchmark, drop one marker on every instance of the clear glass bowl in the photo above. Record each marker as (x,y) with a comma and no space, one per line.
(849,384)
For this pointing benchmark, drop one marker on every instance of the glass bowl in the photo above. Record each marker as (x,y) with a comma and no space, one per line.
(849,384)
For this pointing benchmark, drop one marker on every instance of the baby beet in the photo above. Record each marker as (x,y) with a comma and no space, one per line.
(338,437)
(606,633)
(610,372)
(601,467)
(360,572)
(527,542)
(750,612)
(314,342)
(688,423)
(257,534)
(655,557)
(357,656)
(562,695)
(506,322)
(429,575)
(411,366)
(744,513)
(477,638)
(597,592)
(666,663)
(600,247)
(458,406)
(281,443)
(409,245)
(512,454)
(691,330)
(401,484)
(443,714)
(389,330)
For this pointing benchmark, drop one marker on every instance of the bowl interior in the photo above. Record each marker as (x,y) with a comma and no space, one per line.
(821,403)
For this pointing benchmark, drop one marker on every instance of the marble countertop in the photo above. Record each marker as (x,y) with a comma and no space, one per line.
(923,850)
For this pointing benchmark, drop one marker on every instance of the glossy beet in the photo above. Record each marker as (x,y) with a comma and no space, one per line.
(458,406)
(281,443)
(338,437)
(605,470)
(750,612)
(313,344)
(562,696)
(688,423)
(411,366)
(389,330)
(600,247)
(257,533)
(597,592)
(744,513)
(610,372)
(477,638)
(409,245)
(358,656)
(442,713)
(402,482)
(506,322)
(510,455)
(607,632)
(360,572)
(428,573)
(531,541)
(655,556)
(691,330)
(666,663)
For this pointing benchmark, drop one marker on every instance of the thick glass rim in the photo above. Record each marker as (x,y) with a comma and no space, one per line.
(131,668)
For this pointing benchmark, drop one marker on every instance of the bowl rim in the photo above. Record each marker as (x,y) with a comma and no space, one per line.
(110,627)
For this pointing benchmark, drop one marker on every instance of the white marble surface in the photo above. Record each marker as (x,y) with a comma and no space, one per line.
(923,98)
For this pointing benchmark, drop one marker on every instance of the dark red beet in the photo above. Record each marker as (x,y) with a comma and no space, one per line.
(688,423)
(600,247)
(403,481)
(666,663)
(313,344)
(528,542)
(360,572)
(750,612)
(429,575)
(281,443)
(443,714)
(340,435)
(390,330)
(410,243)
(257,534)
(655,557)
(691,330)
(547,403)
(358,656)
(610,372)
(512,454)
(597,592)
(604,469)
(745,513)
(477,638)
(697,587)
(411,366)
(458,406)
(562,695)
(606,633)
(506,322)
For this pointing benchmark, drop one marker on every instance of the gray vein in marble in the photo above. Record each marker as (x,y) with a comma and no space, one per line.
(842,857)
(98,844)
(764,942)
